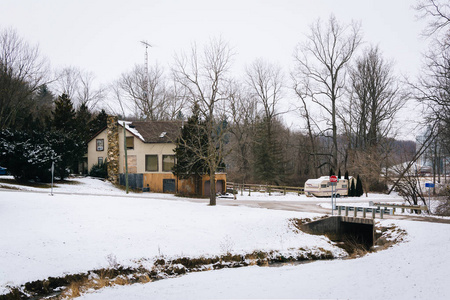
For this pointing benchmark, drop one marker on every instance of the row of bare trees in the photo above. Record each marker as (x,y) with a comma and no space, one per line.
(347,98)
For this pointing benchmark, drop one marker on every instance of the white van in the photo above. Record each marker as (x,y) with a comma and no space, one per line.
(321,187)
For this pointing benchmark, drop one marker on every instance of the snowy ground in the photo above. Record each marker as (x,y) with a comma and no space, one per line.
(43,235)
(418,269)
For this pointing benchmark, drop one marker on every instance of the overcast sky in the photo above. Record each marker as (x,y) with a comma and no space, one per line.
(103,36)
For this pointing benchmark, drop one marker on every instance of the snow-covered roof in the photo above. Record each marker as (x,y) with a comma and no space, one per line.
(131,129)
(154,131)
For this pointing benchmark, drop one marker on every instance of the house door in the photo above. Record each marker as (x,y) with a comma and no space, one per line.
(169,185)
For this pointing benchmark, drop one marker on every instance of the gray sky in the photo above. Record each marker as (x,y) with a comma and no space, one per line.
(103,36)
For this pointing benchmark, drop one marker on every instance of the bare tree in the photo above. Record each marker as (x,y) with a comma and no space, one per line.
(242,106)
(204,75)
(377,98)
(322,60)
(265,81)
(438,12)
(304,93)
(22,72)
(79,86)
(144,92)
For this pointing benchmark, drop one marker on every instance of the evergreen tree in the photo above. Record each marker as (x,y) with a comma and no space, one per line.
(82,122)
(66,139)
(43,102)
(339,173)
(348,182)
(27,155)
(331,172)
(359,188)
(98,123)
(64,114)
(352,191)
(268,159)
(191,149)
(70,148)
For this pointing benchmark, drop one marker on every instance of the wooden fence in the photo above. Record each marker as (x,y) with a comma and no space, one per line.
(241,188)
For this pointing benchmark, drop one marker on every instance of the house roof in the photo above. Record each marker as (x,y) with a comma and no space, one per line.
(154,131)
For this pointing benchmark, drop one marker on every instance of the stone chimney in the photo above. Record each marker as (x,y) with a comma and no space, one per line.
(113,149)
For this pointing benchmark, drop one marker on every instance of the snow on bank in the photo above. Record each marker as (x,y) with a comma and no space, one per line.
(418,269)
(43,235)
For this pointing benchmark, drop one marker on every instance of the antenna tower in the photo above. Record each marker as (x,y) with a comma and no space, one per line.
(146,83)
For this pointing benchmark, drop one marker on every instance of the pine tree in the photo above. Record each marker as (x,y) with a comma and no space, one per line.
(64,114)
(191,149)
(66,141)
(331,172)
(269,164)
(82,118)
(339,173)
(352,191)
(43,102)
(348,183)
(359,188)
(98,123)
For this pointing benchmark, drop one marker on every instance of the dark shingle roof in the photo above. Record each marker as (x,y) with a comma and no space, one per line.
(158,131)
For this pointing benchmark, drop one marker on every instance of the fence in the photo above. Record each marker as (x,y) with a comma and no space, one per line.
(261,188)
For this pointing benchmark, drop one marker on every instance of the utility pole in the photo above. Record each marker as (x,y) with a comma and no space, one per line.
(126,156)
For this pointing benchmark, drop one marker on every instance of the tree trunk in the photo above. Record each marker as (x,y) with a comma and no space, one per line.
(212,188)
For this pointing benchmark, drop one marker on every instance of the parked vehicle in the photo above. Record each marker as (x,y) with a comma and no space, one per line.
(3,171)
(321,187)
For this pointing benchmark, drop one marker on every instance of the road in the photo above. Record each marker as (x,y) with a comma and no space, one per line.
(301,205)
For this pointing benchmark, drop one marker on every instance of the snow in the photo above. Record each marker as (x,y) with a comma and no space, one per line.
(70,233)
(89,222)
(130,129)
(418,269)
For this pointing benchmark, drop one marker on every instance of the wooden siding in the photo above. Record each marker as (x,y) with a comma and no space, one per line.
(155,181)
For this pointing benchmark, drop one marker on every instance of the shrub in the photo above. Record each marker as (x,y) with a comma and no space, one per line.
(99,170)
(443,209)
(27,156)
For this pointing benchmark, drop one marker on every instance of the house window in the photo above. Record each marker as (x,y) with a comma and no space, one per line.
(130,142)
(323,186)
(151,163)
(100,160)
(100,144)
(168,162)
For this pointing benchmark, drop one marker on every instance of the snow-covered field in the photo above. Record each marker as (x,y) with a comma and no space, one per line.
(86,225)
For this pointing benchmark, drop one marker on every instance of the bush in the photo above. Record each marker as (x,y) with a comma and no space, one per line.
(443,209)
(27,156)
(99,170)
(377,186)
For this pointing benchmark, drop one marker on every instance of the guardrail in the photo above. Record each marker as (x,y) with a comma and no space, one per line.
(364,210)
(402,206)
(262,188)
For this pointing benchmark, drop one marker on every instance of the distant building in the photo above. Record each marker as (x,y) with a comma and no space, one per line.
(435,155)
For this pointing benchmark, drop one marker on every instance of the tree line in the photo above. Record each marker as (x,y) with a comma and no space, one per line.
(347,96)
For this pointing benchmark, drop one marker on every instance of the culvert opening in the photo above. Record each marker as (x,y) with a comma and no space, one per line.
(355,235)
